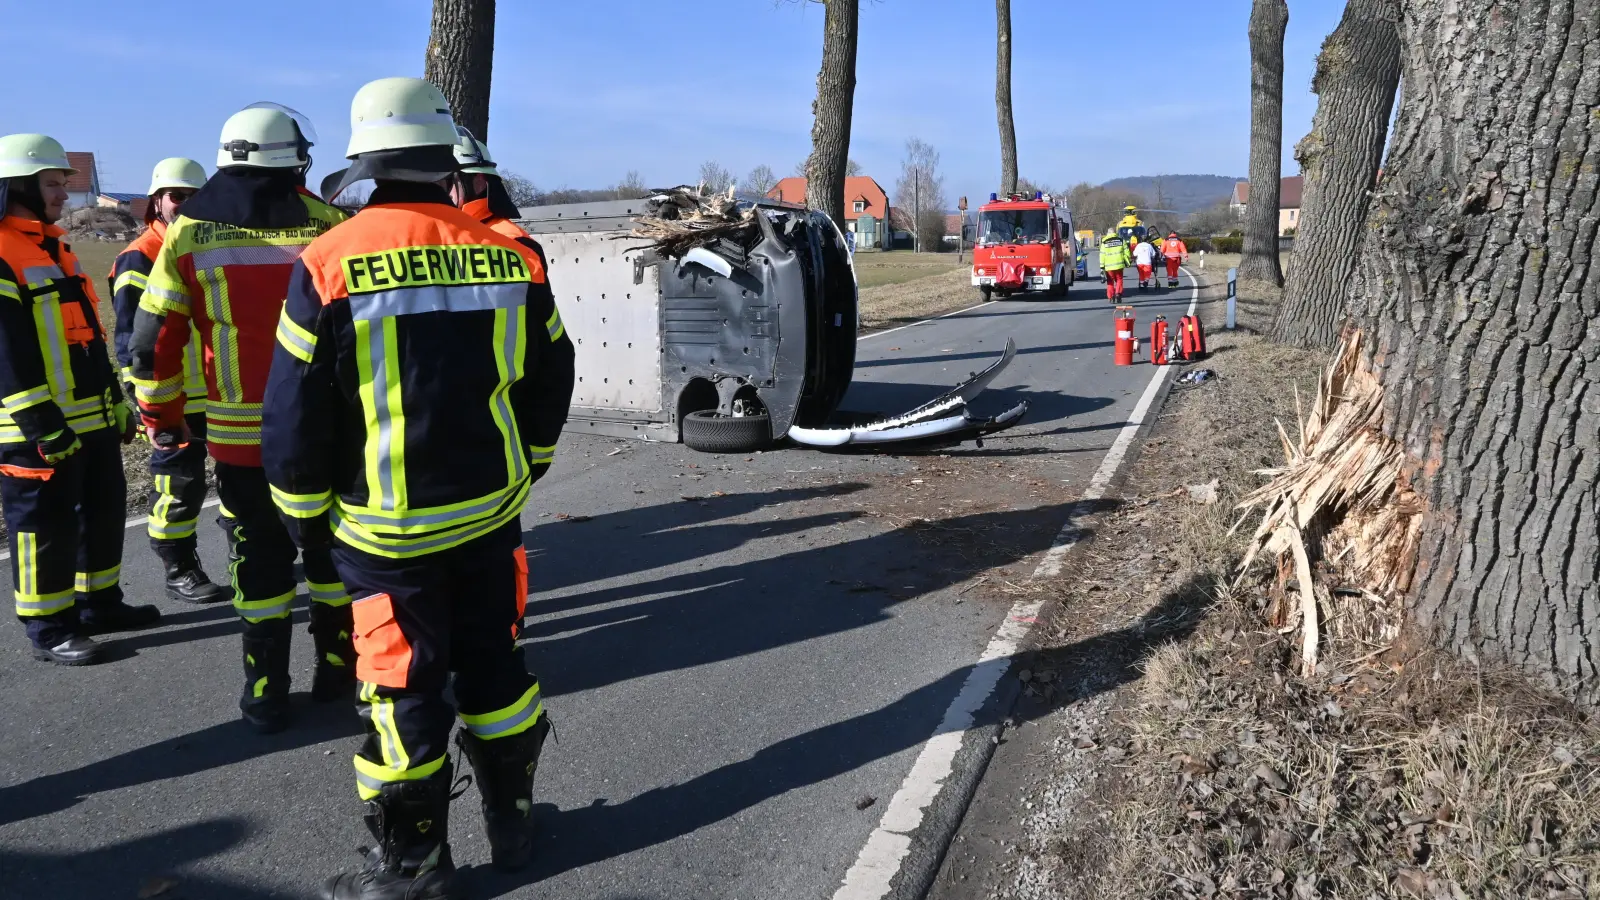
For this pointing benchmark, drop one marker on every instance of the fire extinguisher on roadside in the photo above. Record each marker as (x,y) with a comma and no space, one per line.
(1158,341)
(1126,345)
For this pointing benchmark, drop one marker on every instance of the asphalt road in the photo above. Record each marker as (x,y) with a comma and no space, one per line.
(731,675)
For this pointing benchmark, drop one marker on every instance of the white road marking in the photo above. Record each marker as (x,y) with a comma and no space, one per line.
(872,875)
(922,322)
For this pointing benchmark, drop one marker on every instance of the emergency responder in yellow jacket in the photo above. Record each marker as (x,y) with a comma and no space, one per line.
(1113,259)
(421,364)
(178,482)
(224,270)
(62,416)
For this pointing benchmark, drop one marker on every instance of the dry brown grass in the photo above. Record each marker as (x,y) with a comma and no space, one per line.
(896,304)
(1228,775)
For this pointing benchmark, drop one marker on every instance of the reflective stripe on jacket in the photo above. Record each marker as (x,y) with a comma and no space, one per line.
(54,368)
(229,283)
(422,371)
(1113,254)
(129,275)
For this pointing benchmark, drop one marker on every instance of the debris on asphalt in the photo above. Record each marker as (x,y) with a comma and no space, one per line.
(866,801)
(615,452)
(568,517)
(1197,376)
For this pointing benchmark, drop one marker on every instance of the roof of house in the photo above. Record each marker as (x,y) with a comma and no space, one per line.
(83,181)
(121,197)
(856,187)
(1289,190)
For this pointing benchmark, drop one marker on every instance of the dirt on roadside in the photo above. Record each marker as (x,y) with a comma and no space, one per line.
(1183,756)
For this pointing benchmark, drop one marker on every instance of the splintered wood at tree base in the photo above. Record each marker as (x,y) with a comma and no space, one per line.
(1340,498)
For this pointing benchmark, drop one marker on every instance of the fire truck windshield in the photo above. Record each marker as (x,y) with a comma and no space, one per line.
(1014,226)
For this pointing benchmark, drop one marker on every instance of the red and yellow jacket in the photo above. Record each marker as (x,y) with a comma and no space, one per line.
(129,275)
(422,378)
(54,369)
(227,282)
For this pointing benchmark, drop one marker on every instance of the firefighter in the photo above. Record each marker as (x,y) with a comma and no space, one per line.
(61,421)
(424,529)
(178,485)
(223,270)
(1144,256)
(1177,254)
(1113,259)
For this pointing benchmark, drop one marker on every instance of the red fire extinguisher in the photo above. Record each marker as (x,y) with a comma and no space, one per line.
(1158,341)
(1123,355)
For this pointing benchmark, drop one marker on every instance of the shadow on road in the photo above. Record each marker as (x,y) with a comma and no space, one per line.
(604,830)
(868,401)
(129,868)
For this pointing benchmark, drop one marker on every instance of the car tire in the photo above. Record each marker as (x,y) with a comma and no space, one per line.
(987,293)
(708,432)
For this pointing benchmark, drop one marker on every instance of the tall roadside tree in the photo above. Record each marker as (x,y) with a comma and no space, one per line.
(836,94)
(1478,289)
(1269,19)
(1002,97)
(1357,74)
(460,59)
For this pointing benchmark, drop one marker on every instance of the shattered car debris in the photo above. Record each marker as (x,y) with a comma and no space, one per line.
(729,323)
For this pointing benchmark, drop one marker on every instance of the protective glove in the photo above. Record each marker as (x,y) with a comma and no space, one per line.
(125,423)
(167,437)
(57,447)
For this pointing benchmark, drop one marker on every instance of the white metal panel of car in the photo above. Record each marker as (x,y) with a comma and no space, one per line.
(614,323)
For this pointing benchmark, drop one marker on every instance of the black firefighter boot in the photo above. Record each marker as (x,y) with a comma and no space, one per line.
(265,703)
(334,678)
(505,768)
(186,581)
(410,820)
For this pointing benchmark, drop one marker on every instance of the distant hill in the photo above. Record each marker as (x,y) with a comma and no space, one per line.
(1184,193)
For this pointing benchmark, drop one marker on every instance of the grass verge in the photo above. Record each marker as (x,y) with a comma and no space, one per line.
(1222,773)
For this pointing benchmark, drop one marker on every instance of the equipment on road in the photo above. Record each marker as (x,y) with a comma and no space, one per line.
(1122,353)
(1192,339)
(1025,245)
(1160,352)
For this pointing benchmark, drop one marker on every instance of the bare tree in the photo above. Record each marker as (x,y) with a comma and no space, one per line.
(760,180)
(852,169)
(522,191)
(1002,97)
(1477,288)
(1214,219)
(460,59)
(631,187)
(836,92)
(1099,207)
(714,178)
(920,191)
(1269,19)
(1357,74)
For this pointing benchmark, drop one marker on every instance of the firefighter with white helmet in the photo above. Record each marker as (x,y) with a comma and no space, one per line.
(458,328)
(61,417)
(223,271)
(178,482)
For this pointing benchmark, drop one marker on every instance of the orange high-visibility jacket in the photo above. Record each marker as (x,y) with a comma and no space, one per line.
(1174,247)
(228,282)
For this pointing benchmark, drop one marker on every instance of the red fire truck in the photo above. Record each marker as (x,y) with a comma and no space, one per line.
(1025,245)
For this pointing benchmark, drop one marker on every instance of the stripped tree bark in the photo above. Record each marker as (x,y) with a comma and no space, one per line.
(460,59)
(1269,19)
(836,92)
(1002,98)
(1357,74)
(1478,283)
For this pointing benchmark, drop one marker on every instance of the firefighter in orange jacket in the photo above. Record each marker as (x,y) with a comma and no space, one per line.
(61,418)
(427,539)
(1177,254)
(223,270)
(178,485)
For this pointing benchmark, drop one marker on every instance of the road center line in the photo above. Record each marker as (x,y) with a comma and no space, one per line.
(872,875)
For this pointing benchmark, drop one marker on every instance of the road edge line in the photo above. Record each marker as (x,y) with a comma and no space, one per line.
(881,860)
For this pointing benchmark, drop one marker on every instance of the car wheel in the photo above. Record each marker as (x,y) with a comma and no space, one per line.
(708,432)
(987,292)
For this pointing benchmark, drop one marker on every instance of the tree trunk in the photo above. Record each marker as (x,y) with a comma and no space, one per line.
(1002,98)
(1357,74)
(836,94)
(1477,284)
(460,59)
(1268,21)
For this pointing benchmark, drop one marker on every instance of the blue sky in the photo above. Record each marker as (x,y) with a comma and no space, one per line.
(585,91)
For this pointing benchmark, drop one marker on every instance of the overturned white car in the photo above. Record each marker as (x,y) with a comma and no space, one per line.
(743,339)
